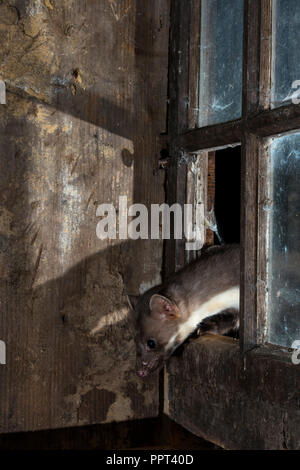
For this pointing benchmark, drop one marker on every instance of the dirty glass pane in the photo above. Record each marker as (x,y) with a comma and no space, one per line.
(221,59)
(284,241)
(286,52)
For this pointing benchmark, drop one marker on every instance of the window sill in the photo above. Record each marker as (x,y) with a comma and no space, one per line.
(237,401)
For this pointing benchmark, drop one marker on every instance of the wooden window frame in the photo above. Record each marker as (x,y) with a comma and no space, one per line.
(258,122)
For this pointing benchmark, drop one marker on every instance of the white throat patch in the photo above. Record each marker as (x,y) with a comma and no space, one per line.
(227,299)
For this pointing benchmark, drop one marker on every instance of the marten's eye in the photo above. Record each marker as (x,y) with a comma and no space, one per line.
(151,343)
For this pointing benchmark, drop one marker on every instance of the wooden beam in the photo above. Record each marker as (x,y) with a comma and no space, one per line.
(265,54)
(178,120)
(251,57)
(248,241)
(275,121)
(263,228)
(194,64)
(263,124)
(237,403)
(228,133)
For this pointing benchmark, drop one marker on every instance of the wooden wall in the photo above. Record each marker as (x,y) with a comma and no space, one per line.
(86,99)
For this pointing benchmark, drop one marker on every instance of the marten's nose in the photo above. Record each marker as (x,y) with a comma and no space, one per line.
(142,372)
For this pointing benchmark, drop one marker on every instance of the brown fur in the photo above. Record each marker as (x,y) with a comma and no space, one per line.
(172,303)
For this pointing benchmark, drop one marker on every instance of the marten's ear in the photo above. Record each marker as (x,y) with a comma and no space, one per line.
(132,301)
(163,306)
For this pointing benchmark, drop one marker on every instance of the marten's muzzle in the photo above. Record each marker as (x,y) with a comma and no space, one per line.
(148,367)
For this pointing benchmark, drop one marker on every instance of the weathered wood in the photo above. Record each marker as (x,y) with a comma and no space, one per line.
(233,401)
(146,434)
(251,57)
(265,54)
(275,121)
(211,182)
(263,228)
(249,165)
(177,120)
(231,393)
(211,137)
(87,90)
(197,176)
(264,123)
(179,66)
(194,64)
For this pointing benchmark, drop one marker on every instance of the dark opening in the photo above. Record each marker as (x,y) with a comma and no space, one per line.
(227,194)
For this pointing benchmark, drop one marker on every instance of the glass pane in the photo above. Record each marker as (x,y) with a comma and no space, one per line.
(284,242)
(221,60)
(286,51)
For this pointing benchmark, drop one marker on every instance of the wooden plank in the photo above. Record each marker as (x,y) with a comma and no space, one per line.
(211,177)
(235,403)
(197,177)
(149,434)
(264,123)
(263,227)
(179,66)
(211,137)
(194,64)
(251,54)
(249,165)
(265,54)
(176,193)
(87,90)
(177,121)
(275,121)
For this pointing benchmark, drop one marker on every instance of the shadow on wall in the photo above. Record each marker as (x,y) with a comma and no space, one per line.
(58,373)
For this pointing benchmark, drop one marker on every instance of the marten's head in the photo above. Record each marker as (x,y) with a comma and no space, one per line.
(157,331)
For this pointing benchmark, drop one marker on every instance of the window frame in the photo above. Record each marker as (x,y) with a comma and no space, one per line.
(257,124)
